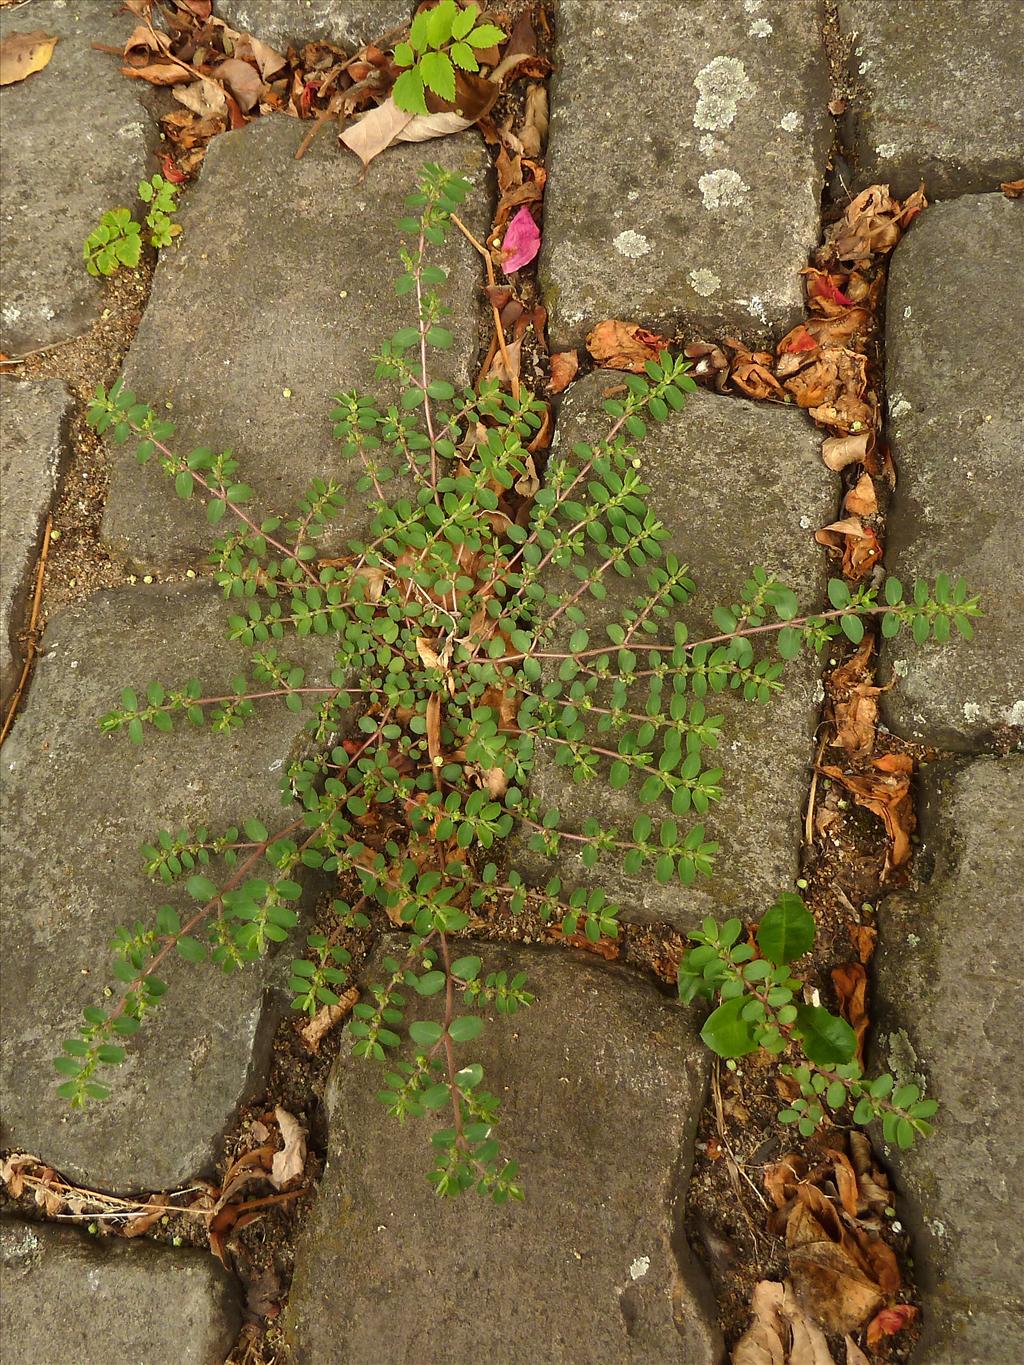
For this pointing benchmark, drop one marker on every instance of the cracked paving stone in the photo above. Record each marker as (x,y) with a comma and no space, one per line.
(278,296)
(93,1300)
(77,804)
(939,95)
(954,362)
(76,143)
(601,1083)
(947,1008)
(33,418)
(687,152)
(727,477)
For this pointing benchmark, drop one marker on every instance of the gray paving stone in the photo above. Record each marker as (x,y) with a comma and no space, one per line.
(947,1003)
(284,280)
(601,1084)
(730,479)
(687,151)
(348,22)
(955,357)
(76,806)
(68,1296)
(76,138)
(32,421)
(940,98)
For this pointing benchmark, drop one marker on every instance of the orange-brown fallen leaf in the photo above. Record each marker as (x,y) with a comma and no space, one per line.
(860,545)
(1013,189)
(886,793)
(851,984)
(23,54)
(624,345)
(864,938)
(603,947)
(861,500)
(564,365)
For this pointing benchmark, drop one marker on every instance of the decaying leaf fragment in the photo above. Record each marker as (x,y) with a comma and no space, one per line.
(23,54)
(781,1333)
(289,1163)
(885,791)
(624,345)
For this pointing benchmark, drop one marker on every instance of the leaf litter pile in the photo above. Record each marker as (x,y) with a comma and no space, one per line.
(814,1215)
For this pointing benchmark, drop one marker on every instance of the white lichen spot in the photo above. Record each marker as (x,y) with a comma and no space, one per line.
(1015,714)
(631,244)
(886,150)
(913,940)
(11,314)
(710,145)
(791,122)
(900,667)
(757,309)
(721,85)
(722,189)
(752,6)
(640,1267)
(907,311)
(805,523)
(972,712)
(704,282)
(899,408)
(864,68)
(760,28)
(936,1226)
(633,196)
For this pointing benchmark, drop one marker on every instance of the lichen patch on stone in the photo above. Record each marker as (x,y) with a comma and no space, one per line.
(704,282)
(721,85)
(631,244)
(722,189)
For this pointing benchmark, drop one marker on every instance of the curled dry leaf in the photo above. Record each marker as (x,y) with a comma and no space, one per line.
(829,1276)
(204,97)
(864,937)
(135,1227)
(289,1163)
(859,544)
(851,984)
(861,500)
(314,1030)
(23,54)
(564,365)
(534,132)
(839,451)
(242,80)
(624,345)
(1013,189)
(872,1182)
(885,791)
(781,1333)
(375,131)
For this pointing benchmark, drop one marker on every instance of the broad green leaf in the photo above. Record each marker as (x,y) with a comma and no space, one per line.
(787,930)
(826,1038)
(726,1033)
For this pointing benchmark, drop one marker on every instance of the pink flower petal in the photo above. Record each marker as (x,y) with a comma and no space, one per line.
(522,241)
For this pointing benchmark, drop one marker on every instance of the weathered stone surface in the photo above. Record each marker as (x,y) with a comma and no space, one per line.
(601,1083)
(687,151)
(71,1297)
(947,1005)
(32,418)
(956,423)
(283,285)
(76,806)
(280,22)
(940,98)
(75,144)
(729,479)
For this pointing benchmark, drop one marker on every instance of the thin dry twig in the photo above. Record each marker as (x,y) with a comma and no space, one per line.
(498,329)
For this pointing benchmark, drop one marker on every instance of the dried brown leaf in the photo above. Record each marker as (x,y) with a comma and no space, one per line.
(534,132)
(375,131)
(242,80)
(850,980)
(829,1280)
(1013,189)
(839,451)
(564,365)
(23,54)
(861,500)
(290,1162)
(624,345)
(314,1030)
(204,97)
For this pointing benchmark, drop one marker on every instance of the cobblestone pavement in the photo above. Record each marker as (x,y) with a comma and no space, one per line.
(684,192)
